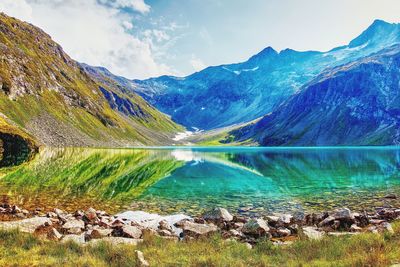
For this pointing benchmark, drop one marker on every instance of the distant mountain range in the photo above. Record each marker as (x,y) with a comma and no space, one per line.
(346,96)
(230,94)
(354,104)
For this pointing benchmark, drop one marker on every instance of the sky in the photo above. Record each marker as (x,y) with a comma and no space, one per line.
(139,39)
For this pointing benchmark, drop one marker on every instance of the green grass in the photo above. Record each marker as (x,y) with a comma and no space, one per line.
(18,249)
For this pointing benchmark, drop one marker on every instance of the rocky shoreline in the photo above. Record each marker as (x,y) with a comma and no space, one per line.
(91,226)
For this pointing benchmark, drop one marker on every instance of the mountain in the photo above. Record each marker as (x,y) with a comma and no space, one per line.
(235,93)
(56,102)
(354,104)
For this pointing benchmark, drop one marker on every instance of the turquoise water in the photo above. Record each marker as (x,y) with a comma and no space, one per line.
(244,180)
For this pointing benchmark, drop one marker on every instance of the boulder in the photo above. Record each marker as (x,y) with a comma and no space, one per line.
(27,225)
(91,215)
(256,227)
(387,227)
(272,219)
(73,226)
(79,239)
(218,215)
(195,229)
(355,228)
(285,219)
(99,232)
(54,234)
(131,231)
(312,233)
(141,262)
(164,225)
(163,232)
(343,214)
(282,232)
(327,221)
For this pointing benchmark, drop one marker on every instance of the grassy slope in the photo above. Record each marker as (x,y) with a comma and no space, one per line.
(42,89)
(17,249)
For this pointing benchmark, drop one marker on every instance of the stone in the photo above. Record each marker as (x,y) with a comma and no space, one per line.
(79,214)
(272,219)
(218,214)
(54,234)
(235,233)
(341,233)
(238,225)
(282,232)
(312,233)
(374,221)
(51,215)
(100,232)
(79,239)
(248,245)
(355,228)
(257,227)
(299,217)
(114,240)
(141,262)
(59,212)
(163,232)
(343,214)
(91,214)
(336,224)
(149,232)
(131,231)
(397,212)
(196,229)
(27,225)
(164,225)
(387,227)
(388,214)
(327,221)
(373,229)
(282,243)
(285,219)
(73,226)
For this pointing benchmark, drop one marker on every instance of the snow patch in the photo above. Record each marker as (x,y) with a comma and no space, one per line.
(182,135)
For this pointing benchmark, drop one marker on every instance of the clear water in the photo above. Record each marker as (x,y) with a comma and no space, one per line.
(244,180)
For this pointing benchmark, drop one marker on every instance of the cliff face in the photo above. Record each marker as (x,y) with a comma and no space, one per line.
(49,95)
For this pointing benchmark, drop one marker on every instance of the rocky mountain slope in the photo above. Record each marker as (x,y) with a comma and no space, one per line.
(48,95)
(354,104)
(235,93)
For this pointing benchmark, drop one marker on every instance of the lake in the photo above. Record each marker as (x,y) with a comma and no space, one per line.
(182,179)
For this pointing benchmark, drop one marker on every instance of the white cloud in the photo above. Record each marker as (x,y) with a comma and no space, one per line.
(138,5)
(92,33)
(197,63)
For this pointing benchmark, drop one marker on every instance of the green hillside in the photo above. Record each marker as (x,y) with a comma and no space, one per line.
(48,95)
